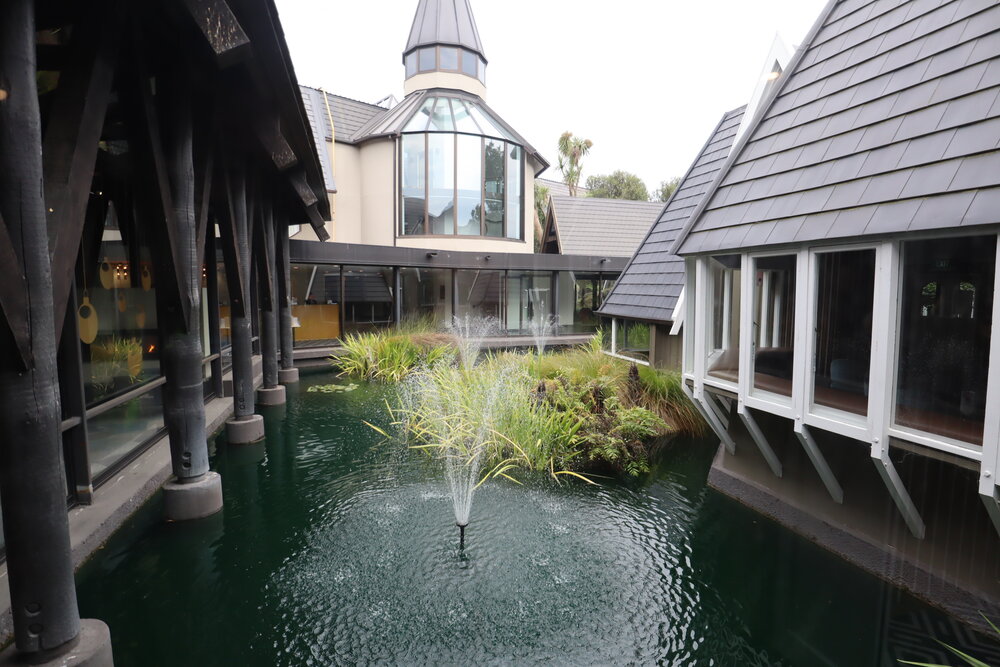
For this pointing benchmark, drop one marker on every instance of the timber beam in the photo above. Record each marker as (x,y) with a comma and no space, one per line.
(221,29)
(819,461)
(268,131)
(746,416)
(894,483)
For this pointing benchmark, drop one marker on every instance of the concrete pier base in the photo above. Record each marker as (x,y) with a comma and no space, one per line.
(288,375)
(245,431)
(92,649)
(186,501)
(271,396)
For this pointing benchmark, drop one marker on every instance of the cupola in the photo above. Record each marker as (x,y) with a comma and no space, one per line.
(444,49)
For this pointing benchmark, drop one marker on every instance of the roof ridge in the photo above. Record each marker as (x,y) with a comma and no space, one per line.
(343,97)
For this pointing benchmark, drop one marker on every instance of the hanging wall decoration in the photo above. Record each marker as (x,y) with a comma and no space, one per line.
(140,317)
(107,274)
(122,304)
(87,320)
(147,278)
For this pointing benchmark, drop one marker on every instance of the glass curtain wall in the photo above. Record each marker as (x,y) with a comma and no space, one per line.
(580,296)
(843,326)
(426,295)
(315,304)
(480,294)
(774,323)
(723,327)
(119,338)
(529,300)
(945,324)
(368,297)
(225,316)
(414,183)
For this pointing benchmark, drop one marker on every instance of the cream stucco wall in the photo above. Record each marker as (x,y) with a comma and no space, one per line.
(377,192)
(451,80)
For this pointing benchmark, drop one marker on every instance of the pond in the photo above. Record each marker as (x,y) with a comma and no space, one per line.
(336,549)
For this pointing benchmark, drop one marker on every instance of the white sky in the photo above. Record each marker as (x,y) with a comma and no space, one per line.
(645,82)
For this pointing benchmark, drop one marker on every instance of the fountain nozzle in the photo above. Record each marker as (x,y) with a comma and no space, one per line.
(461,534)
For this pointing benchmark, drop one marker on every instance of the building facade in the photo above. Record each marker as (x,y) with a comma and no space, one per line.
(841,335)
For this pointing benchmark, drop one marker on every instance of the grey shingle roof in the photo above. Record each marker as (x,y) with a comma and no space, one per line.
(591,226)
(649,287)
(560,189)
(444,22)
(887,121)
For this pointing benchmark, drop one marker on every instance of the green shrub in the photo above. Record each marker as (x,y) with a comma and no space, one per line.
(387,357)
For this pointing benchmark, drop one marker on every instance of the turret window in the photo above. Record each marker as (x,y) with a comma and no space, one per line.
(445,59)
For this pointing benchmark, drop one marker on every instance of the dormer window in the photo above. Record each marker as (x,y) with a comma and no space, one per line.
(451,59)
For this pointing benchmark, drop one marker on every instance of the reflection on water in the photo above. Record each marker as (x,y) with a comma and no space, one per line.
(334,549)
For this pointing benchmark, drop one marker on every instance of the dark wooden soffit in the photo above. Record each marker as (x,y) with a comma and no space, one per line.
(221,29)
(267,127)
(72,137)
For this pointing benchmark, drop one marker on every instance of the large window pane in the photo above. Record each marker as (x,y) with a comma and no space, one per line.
(449,58)
(427,59)
(480,294)
(944,337)
(514,208)
(495,185)
(529,300)
(470,185)
(845,298)
(723,329)
(441,118)
(411,64)
(774,323)
(464,121)
(367,298)
(119,431)
(580,296)
(441,182)
(414,183)
(426,294)
(315,304)
(469,62)
(117,310)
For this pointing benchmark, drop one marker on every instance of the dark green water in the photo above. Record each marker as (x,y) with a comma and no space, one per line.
(333,550)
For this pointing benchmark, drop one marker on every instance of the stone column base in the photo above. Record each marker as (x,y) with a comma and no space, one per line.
(186,501)
(245,431)
(288,375)
(92,649)
(271,395)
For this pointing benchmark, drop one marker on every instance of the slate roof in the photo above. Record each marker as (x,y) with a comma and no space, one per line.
(887,121)
(560,189)
(448,22)
(649,287)
(592,226)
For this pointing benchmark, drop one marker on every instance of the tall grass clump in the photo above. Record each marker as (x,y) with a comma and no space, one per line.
(389,357)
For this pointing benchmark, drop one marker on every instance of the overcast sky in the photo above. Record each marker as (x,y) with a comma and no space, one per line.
(645,80)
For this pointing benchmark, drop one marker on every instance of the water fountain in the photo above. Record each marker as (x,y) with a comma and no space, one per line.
(541,329)
(469,332)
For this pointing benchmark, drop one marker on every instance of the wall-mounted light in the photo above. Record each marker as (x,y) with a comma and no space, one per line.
(488,257)
(604,259)
(432,254)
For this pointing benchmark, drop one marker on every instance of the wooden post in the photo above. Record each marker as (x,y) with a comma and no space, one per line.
(288,373)
(32,479)
(272,393)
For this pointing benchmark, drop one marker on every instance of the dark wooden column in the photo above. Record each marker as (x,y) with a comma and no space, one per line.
(288,374)
(32,479)
(271,393)
(245,426)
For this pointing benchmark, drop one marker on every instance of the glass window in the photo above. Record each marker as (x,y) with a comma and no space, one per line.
(315,304)
(368,297)
(225,314)
(422,118)
(117,309)
(482,71)
(427,59)
(414,183)
(514,207)
(463,119)
(426,293)
(529,300)
(723,329)
(774,323)
(116,433)
(470,185)
(494,186)
(449,58)
(580,296)
(441,118)
(633,339)
(945,326)
(411,64)
(441,183)
(845,298)
(469,62)
(480,294)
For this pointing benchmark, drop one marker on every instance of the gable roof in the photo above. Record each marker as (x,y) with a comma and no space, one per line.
(592,226)
(448,22)
(887,121)
(649,287)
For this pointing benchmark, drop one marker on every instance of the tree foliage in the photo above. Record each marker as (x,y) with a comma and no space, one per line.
(572,150)
(619,185)
(541,213)
(666,189)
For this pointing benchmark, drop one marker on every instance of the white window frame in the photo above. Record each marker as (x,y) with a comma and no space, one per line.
(761,399)
(727,323)
(690,331)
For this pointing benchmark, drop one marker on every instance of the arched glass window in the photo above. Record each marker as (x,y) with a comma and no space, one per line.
(461,173)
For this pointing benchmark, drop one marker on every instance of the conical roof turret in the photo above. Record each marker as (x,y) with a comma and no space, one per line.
(444,23)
